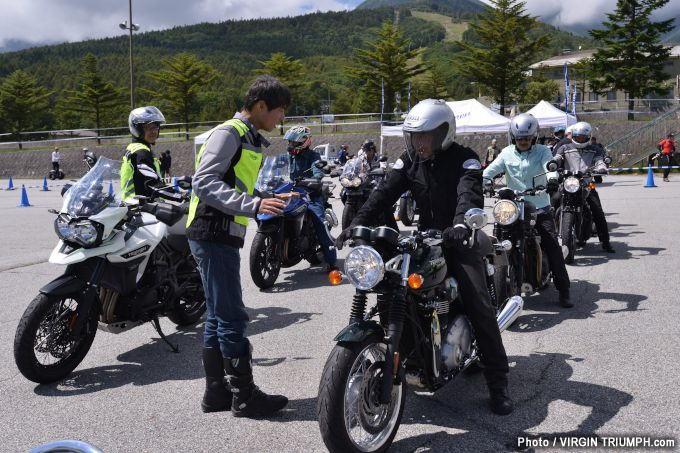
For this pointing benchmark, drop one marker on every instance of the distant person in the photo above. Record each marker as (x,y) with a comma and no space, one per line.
(667,149)
(168,167)
(342,155)
(56,157)
(564,141)
(491,153)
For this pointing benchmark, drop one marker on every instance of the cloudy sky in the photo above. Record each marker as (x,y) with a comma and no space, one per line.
(53,21)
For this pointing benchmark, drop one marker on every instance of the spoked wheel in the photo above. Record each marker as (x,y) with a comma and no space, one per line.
(264,261)
(568,233)
(351,417)
(46,348)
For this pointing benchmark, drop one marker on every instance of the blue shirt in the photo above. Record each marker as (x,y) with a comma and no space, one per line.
(302,162)
(521,167)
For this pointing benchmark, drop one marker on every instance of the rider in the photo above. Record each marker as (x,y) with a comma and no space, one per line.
(580,155)
(141,166)
(369,154)
(342,155)
(521,161)
(302,160)
(445,180)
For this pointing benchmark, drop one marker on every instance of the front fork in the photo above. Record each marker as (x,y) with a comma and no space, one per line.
(395,327)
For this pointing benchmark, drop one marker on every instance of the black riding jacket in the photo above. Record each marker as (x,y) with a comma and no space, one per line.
(444,188)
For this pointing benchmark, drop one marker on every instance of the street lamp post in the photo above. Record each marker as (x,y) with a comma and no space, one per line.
(132,27)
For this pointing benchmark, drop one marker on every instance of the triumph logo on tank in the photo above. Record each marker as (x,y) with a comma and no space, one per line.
(134,253)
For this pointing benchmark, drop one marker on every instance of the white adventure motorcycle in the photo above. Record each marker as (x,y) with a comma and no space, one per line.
(126,264)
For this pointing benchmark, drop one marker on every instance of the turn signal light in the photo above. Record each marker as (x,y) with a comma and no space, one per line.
(592,185)
(415,281)
(335,277)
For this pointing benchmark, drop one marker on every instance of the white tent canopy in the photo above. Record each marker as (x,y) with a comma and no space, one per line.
(550,116)
(472,117)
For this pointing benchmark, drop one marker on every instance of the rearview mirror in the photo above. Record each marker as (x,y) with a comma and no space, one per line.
(184,182)
(551,166)
(383,159)
(320,163)
(475,218)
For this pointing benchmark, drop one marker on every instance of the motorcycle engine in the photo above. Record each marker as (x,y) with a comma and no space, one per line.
(457,343)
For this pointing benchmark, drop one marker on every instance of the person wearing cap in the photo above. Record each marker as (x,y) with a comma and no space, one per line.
(445,179)
(667,150)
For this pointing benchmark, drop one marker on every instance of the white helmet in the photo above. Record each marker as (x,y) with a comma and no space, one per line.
(431,115)
(583,131)
(569,129)
(524,125)
(144,115)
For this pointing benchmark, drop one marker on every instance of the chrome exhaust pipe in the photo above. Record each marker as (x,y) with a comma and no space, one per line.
(510,312)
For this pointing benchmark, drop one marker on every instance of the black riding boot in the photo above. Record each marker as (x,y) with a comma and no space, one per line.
(249,400)
(217,396)
(500,401)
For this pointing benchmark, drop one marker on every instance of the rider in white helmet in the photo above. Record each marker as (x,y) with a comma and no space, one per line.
(580,156)
(521,161)
(445,179)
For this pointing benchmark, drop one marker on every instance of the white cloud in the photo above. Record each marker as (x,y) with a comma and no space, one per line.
(40,21)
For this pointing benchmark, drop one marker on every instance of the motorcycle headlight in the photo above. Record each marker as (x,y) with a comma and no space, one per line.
(83,232)
(356,182)
(345,182)
(505,212)
(571,184)
(364,267)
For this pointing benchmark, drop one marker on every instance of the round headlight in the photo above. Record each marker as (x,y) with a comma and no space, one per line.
(364,267)
(356,182)
(345,182)
(84,232)
(571,184)
(505,212)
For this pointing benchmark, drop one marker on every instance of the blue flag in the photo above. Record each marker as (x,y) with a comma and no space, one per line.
(573,102)
(566,88)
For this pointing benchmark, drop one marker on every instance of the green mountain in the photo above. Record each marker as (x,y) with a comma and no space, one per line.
(465,9)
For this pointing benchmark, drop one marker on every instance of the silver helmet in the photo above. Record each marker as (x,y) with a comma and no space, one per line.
(144,115)
(580,134)
(522,126)
(431,115)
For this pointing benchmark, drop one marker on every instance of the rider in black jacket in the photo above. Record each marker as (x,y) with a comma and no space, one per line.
(445,179)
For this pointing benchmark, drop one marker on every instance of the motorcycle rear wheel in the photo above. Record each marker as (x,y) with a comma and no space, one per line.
(264,262)
(350,417)
(44,351)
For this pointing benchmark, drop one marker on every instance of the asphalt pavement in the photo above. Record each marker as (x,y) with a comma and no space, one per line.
(608,366)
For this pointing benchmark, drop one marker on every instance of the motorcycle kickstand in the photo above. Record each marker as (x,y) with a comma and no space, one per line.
(157,326)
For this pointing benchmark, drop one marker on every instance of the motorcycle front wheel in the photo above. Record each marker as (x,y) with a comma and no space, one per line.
(407,211)
(350,415)
(348,213)
(45,346)
(264,262)
(568,233)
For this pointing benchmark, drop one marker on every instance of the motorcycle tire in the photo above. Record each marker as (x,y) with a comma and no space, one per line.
(47,329)
(337,381)
(586,227)
(61,175)
(568,233)
(407,212)
(52,178)
(348,213)
(264,265)
(187,313)
(503,280)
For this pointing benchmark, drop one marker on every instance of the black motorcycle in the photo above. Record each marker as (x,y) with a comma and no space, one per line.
(358,182)
(285,240)
(573,216)
(515,227)
(126,264)
(415,334)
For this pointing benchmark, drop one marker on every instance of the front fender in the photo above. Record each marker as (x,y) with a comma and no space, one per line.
(359,331)
(269,226)
(63,286)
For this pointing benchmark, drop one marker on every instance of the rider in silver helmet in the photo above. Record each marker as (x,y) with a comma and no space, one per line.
(521,161)
(445,179)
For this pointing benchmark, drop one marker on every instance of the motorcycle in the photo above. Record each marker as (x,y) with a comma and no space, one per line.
(358,181)
(284,241)
(573,216)
(407,209)
(126,264)
(514,226)
(420,338)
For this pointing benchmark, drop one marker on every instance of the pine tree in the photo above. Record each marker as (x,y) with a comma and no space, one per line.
(95,98)
(384,59)
(22,102)
(499,62)
(631,57)
(182,80)
(289,71)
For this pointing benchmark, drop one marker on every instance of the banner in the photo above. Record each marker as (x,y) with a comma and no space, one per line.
(409,96)
(573,102)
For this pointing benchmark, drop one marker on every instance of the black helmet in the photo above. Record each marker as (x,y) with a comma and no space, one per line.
(368,144)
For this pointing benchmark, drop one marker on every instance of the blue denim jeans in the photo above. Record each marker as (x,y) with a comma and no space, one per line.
(225,325)
(327,245)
